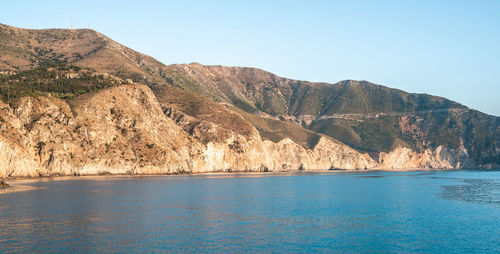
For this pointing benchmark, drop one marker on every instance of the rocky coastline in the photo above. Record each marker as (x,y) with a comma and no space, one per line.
(49,137)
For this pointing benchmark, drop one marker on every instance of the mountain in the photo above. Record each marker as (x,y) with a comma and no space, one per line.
(76,102)
(368,117)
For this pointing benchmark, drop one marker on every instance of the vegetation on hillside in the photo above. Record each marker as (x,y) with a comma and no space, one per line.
(371,135)
(277,130)
(202,108)
(61,81)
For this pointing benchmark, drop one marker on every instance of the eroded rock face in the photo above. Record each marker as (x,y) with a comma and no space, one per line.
(123,130)
(119,130)
(439,158)
(326,155)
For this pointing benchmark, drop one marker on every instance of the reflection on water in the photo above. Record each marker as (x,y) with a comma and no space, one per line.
(484,191)
(342,212)
(370,176)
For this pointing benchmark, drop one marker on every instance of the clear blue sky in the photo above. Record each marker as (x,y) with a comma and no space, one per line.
(445,48)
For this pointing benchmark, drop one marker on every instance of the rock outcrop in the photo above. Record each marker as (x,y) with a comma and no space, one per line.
(439,158)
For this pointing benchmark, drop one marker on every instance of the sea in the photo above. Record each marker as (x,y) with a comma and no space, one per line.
(333,212)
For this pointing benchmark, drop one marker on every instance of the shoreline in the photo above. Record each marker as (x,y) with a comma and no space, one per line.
(18,188)
(20,184)
(220,173)
(240,173)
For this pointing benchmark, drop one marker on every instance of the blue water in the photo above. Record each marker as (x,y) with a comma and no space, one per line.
(439,212)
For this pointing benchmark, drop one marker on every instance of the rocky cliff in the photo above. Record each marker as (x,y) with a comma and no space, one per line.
(123,130)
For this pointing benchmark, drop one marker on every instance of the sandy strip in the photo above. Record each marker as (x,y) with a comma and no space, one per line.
(24,184)
(18,188)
